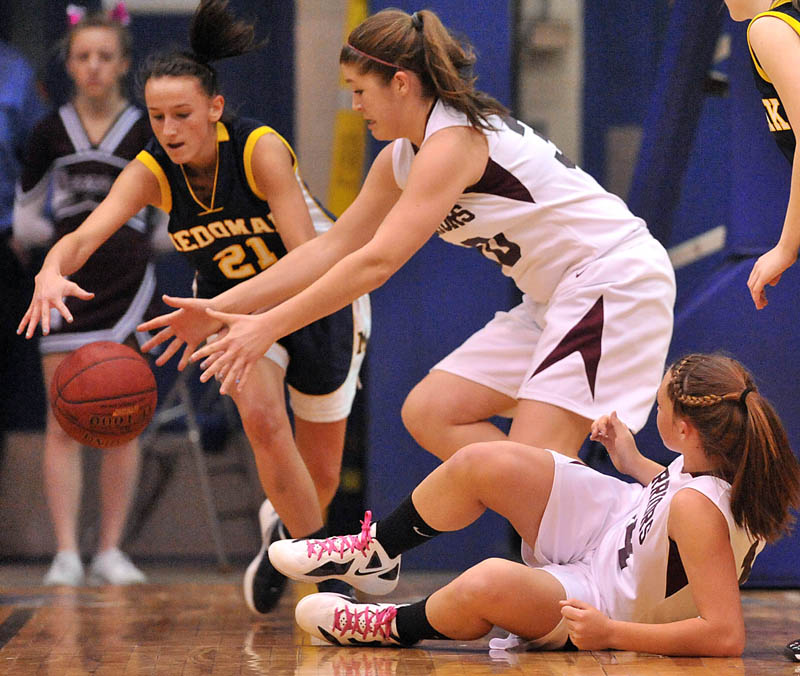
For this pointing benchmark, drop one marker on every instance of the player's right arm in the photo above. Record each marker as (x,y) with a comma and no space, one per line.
(610,431)
(134,189)
(700,531)
(777,47)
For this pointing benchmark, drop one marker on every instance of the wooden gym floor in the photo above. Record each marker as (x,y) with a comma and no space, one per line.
(190,621)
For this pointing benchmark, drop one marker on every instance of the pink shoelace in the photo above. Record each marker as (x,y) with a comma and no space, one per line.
(368,623)
(343,544)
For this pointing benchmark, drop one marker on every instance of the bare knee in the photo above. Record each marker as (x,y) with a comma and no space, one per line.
(263,420)
(477,587)
(420,413)
(489,463)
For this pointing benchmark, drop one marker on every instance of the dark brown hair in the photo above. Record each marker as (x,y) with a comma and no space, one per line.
(214,34)
(419,43)
(741,432)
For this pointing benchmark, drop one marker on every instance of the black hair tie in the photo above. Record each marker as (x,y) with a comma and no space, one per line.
(743,396)
(416,21)
(202,59)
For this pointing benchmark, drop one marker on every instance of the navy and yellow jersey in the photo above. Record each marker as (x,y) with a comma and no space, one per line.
(233,237)
(777,120)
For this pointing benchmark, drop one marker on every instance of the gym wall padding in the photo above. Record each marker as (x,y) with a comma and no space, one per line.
(736,173)
(440,297)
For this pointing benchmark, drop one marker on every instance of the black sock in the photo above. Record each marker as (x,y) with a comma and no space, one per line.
(413,625)
(403,529)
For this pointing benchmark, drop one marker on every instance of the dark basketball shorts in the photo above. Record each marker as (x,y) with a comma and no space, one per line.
(322,362)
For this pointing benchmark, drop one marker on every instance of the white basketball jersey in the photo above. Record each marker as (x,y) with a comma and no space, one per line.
(637,567)
(533,211)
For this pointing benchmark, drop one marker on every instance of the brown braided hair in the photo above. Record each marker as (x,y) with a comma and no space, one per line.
(421,44)
(743,435)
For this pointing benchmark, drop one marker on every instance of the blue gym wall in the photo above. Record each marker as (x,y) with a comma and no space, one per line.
(440,297)
(707,161)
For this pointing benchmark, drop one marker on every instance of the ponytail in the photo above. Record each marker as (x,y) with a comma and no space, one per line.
(214,34)
(392,40)
(742,434)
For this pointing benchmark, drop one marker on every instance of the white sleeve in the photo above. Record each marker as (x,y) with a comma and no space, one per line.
(30,226)
(159,236)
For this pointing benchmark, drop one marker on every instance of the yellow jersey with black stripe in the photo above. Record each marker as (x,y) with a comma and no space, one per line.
(231,237)
(777,119)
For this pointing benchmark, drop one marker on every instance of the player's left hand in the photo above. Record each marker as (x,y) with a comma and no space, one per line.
(189,325)
(231,356)
(768,270)
(589,629)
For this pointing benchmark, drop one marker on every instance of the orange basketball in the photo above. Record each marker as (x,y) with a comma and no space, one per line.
(104,394)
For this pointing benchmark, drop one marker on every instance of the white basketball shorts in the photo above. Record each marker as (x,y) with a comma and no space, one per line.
(583,505)
(599,344)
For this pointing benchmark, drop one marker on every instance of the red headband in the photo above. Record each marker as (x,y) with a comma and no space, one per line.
(375,58)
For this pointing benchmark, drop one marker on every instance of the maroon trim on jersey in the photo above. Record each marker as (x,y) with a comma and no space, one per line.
(497,180)
(585,337)
(676,574)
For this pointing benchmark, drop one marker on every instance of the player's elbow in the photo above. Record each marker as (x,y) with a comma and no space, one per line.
(734,646)
(378,266)
(728,642)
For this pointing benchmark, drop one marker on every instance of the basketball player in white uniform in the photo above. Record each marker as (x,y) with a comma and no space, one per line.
(652,567)
(585,264)
(599,290)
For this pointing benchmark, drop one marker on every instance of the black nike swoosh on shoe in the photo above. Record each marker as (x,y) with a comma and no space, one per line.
(385,574)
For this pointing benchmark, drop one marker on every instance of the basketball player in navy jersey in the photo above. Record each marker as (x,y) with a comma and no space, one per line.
(595,322)
(774,39)
(236,204)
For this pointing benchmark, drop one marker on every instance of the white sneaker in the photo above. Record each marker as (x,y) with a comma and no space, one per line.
(113,567)
(66,569)
(338,620)
(359,560)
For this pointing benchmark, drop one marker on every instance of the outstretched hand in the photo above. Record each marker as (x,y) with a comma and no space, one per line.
(230,357)
(49,292)
(768,270)
(189,325)
(610,431)
(588,628)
